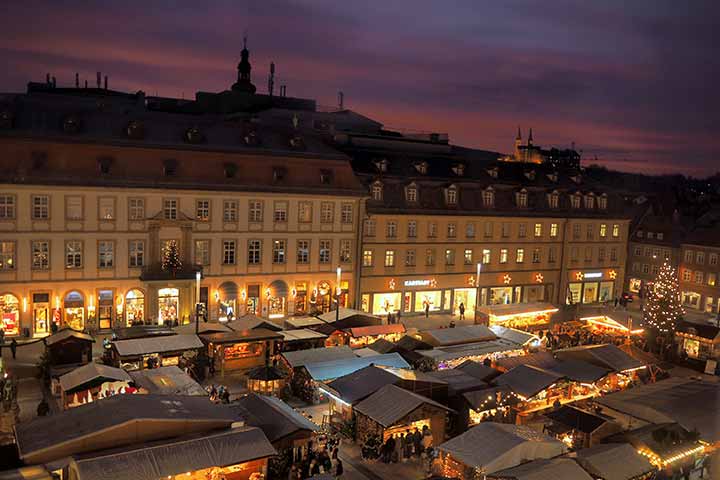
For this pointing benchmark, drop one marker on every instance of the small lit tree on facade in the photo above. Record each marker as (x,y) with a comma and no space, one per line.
(171,258)
(663,309)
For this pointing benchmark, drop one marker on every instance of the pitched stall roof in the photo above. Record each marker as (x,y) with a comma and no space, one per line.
(702,330)
(607,356)
(204,327)
(275,417)
(168,380)
(82,429)
(489,398)
(458,381)
(537,359)
(478,349)
(301,334)
(492,446)
(527,380)
(374,330)
(391,404)
(251,322)
(478,370)
(544,469)
(412,344)
(383,346)
(579,371)
(349,314)
(520,337)
(176,456)
(619,461)
(66,333)
(300,358)
(577,419)
(441,337)
(241,336)
(323,371)
(362,383)
(143,346)
(92,373)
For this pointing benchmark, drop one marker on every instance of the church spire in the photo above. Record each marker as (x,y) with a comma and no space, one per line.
(243,83)
(519,135)
(530,137)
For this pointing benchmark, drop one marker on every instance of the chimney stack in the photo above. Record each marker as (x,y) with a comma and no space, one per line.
(47,78)
(105,82)
(341,100)
(77,80)
(85,83)
(271,79)
(54,82)
(98,79)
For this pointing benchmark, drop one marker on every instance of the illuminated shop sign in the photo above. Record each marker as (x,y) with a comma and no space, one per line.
(592,275)
(423,282)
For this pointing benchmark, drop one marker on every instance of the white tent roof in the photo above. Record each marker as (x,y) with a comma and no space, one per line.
(618,461)
(494,446)
(555,469)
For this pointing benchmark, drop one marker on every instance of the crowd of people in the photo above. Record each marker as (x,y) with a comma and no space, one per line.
(407,445)
(219,394)
(318,461)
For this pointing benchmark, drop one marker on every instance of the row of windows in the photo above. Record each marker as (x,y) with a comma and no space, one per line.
(588,254)
(136,209)
(391,230)
(699,277)
(699,258)
(651,235)
(452,193)
(486,256)
(657,253)
(74,253)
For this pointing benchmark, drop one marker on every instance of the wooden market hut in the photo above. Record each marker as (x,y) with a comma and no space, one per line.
(68,347)
(296,361)
(302,339)
(358,337)
(145,352)
(698,341)
(623,367)
(252,322)
(579,428)
(239,351)
(445,337)
(617,461)
(85,384)
(526,316)
(561,468)
(393,410)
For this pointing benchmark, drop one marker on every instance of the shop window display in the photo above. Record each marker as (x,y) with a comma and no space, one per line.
(277,299)
(75,310)
(135,307)
(606,291)
(590,292)
(226,299)
(41,313)
(431,298)
(467,297)
(105,309)
(10,310)
(384,303)
(300,298)
(168,305)
(500,295)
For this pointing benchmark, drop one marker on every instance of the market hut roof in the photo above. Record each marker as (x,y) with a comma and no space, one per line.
(478,370)
(606,356)
(527,380)
(373,330)
(168,380)
(140,331)
(442,337)
(323,371)
(514,309)
(176,456)
(35,472)
(520,337)
(203,327)
(303,322)
(362,383)
(92,373)
(391,404)
(479,349)
(116,421)
(492,446)
(579,371)
(574,418)
(251,322)
(544,469)
(537,359)
(347,313)
(66,333)
(241,336)
(667,401)
(703,330)
(300,358)
(301,334)
(275,417)
(382,346)
(641,356)
(143,346)
(412,344)
(458,381)
(619,461)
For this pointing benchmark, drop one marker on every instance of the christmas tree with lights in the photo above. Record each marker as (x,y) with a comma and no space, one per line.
(663,309)
(171,258)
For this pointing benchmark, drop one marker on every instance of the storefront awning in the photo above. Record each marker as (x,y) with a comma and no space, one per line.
(507,312)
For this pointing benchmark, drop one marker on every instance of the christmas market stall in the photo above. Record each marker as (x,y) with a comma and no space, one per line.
(252,322)
(560,468)
(523,316)
(624,368)
(68,348)
(492,404)
(615,460)
(90,383)
(579,428)
(605,325)
(153,352)
(446,337)
(454,355)
(302,339)
(239,351)
(266,380)
(168,380)
(295,361)
(392,411)
(527,340)
(358,337)
(698,341)
(490,447)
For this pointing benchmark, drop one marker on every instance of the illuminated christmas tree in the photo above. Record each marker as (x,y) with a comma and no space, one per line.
(171,257)
(663,309)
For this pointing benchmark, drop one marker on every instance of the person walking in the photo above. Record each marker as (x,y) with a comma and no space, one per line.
(338,469)
(461,308)
(13,347)
(427,309)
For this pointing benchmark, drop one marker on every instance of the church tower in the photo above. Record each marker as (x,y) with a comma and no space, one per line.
(243,83)
(518,144)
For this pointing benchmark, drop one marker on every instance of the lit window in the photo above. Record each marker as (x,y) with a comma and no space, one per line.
(202,252)
(7,255)
(389,258)
(554,230)
(603,230)
(449,257)
(367,258)
(345,251)
(486,256)
(538,229)
(278,251)
(616,230)
(520,255)
(228,252)
(468,256)
(503,255)
(202,210)
(169,209)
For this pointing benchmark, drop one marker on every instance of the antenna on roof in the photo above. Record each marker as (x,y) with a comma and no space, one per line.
(106,82)
(283,90)
(85,83)
(271,79)
(98,79)
(54,82)
(47,78)
(341,100)
(77,80)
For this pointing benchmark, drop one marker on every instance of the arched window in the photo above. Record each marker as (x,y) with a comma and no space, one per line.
(553,199)
(602,201)
(411,193)
(521,198)
(451,195)
(135,307)
(488,197)
(377,191)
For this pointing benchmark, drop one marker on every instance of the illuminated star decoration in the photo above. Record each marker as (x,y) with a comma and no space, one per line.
(507,279)
(433,283)
(391,284)
(579,276)
(612,274)
(539,277)
(471,280)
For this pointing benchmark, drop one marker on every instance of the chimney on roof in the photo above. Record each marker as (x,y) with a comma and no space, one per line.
(283,90)
(54,82)
(271,79)
(77,80)
(341,100)
(47,78)
(105,82)
(98,79)
(85,83)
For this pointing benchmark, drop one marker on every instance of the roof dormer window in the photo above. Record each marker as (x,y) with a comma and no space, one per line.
(590,201)
(326,176)
(575,200)
(381,165)
(602,201)
(521,198)
(459,169)
(553,199)
(553,177)
(170,167)
(451,195)
(411,193)
(488,197)
(494,172)
(377,191)
(530,175)
(279,174)
(422,168)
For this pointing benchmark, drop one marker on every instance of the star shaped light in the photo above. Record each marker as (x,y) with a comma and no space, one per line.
(579,276)
(613,274)
(539,277)
(391,284)
(507,279)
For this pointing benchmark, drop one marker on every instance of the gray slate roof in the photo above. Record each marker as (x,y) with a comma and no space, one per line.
(459,335)
(391,404)
(478,370)
(90,372)
(606,356)
(362,383)
(175,457)
(273,416)
(553,469)
(323,371)
(170,343)
(300,358)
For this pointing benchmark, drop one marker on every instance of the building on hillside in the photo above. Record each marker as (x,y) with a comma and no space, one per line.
(98,184)
(528,152)
(437,211)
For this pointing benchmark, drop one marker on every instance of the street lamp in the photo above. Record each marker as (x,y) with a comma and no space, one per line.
(338,291)
(197,302)
(477,290)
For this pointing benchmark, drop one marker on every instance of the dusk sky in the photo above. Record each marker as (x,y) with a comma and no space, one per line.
(634,83)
